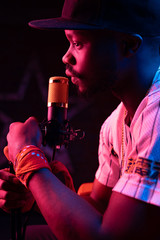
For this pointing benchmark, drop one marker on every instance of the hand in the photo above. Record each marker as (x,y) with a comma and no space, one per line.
(22,134)
(13,193)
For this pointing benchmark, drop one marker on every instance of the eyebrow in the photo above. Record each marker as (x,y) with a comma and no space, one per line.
(81,34)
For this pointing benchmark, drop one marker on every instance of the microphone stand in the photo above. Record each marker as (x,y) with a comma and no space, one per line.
(16,224)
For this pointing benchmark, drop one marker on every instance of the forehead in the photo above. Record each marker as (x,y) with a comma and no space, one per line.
(77,33)
(89,34)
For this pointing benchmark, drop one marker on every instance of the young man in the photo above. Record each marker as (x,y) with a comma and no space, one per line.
(113,44)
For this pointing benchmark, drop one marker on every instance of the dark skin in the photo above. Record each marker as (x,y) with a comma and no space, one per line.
(13,194)
(120,61)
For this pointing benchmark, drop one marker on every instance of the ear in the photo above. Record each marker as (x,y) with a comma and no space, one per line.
(131,44)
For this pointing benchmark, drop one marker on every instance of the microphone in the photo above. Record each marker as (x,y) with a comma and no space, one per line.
(56,130)
(57,104)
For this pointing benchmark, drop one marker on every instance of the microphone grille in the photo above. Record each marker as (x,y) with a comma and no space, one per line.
(58,91)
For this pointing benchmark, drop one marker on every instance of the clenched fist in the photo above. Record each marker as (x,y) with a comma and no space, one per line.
(13,194)
(22,134)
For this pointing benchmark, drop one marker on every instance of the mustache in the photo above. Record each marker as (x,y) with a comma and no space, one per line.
(72,71)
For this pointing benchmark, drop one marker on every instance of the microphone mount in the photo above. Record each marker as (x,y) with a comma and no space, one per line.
(56,134)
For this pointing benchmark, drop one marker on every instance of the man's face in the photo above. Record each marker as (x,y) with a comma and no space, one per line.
(91,60)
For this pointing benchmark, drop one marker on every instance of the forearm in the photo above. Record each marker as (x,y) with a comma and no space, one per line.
(68,215)
(90,200)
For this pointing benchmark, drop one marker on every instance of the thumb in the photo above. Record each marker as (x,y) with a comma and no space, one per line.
(6,152)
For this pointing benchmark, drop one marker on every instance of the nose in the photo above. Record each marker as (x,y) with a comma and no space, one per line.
(68,58)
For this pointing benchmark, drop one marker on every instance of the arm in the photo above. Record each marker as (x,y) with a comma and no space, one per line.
(71,217)
(50,193)
(98,197)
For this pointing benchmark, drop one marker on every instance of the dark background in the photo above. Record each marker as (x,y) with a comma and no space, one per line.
(28,57)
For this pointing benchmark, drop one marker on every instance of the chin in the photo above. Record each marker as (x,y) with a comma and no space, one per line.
(82,89)
(90,90)
(87,92)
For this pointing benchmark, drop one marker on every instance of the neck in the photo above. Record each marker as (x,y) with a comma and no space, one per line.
(132,104)
(133,93)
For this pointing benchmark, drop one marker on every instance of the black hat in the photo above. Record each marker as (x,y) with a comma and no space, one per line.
(130,16)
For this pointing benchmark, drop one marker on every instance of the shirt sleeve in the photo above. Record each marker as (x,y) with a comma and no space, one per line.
(141,178)
(108,171)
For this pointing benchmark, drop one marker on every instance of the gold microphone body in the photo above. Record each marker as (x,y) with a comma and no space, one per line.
(58,99)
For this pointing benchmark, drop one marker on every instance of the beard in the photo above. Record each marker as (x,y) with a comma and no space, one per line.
(92,84)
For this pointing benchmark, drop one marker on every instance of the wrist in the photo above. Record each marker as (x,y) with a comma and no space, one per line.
(29,160)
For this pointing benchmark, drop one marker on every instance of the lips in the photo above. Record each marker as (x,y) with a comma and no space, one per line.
(68,73)
(74,79)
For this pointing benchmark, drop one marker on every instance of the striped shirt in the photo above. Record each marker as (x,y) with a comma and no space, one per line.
(129,156)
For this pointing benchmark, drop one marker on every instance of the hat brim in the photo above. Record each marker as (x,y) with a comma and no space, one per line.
(61,23)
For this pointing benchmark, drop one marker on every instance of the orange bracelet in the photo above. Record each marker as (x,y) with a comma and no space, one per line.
(29,160)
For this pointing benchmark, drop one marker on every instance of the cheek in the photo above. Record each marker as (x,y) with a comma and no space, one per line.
(86,63)
(90,69)
(95,65)
(82,60)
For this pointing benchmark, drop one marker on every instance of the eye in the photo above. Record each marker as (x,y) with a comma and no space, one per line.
(77,45)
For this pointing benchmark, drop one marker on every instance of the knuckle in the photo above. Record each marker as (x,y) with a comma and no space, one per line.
(5,206)
(31,121)
(6,177)
(32,118)
(6,195)
(1,174)
(11,126)
(7,203)
(2,184)
(3,203)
